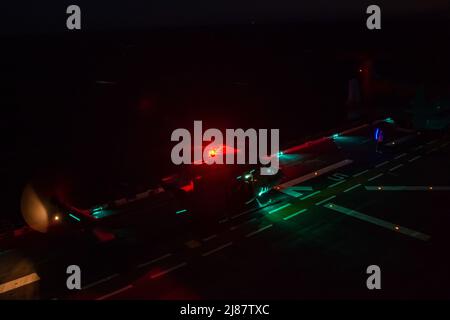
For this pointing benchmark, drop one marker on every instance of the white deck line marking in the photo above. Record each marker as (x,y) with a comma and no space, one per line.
(154,260)
(93,284)
(294,214)
(217,249)
(210,237)
(335,184)
(109,295)
(360,173)
(251,234)
(314,174)
(400,156)
(396,167)
(376,177)
(432,141)
(354,187)
(232,228)
(407,188)
(105,82)
(418,148)
(249,210)
(379,222)
(19,282)
(310,195)
(333,178)
(325,200)
(242,213)
(164,272)
(381,164)
(414,158)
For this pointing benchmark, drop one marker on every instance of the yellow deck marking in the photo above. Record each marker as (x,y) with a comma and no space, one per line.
(20,282)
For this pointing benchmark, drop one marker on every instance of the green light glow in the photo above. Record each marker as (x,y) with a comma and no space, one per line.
(310,195)
(247,176)
(294,214)
(74,217)
(389,120)
(280,208)
(103,213)
(263,190)
(336,135)
(181,211)
(263,204)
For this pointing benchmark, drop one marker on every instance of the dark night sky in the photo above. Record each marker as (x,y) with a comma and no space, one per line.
(31,17)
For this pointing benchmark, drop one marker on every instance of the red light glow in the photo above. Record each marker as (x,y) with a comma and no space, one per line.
(212,153)
(189,187)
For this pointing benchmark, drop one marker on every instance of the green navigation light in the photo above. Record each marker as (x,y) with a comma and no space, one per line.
(389,120)
(263,191)
(74,217)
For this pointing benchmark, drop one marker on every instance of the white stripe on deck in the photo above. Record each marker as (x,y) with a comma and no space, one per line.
(314,174)
(154,260)
(379,222)
(109,295)
(414,158)
(251,234)
(164,272)
(381,164)
(396,167)
(354,187)
(217,249)
(376,177)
